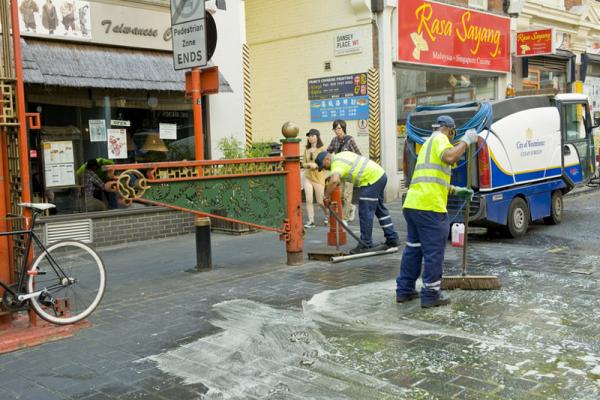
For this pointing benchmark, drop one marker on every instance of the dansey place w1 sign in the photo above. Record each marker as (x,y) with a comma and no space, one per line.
(438,34)
(188,34)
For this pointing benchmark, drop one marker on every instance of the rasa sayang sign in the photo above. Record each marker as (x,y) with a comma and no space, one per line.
(439,34)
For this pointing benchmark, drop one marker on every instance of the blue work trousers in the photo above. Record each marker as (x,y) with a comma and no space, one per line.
(425,244)
(370,203)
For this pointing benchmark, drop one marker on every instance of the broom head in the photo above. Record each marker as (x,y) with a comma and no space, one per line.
(471,282)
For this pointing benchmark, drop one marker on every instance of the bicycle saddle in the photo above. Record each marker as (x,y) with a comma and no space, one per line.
(38,206)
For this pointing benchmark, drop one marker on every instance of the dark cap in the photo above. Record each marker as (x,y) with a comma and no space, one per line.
(445,120)
(314,132)
(319,160)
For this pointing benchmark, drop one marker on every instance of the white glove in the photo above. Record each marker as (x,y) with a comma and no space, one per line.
(470,137)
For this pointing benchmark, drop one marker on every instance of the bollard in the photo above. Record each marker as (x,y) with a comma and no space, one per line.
(291,153)
(203,247)
(336,235)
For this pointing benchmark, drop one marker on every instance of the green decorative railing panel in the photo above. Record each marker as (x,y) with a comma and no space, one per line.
(259,200)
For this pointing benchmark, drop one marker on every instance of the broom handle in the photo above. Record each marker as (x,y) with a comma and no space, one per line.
(466,217)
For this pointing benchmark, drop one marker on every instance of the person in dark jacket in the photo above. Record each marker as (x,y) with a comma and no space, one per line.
(49,17)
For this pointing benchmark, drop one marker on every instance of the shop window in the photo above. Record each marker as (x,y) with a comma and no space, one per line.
(129,128)
(416,87)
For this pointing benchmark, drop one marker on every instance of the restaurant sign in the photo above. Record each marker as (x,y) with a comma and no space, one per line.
(535,43)
(443,35)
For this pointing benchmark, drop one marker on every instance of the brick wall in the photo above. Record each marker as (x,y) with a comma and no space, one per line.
(136,227)
(132,227)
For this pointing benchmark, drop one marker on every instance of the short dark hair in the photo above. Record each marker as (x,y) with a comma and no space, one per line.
(341,123)
(92,163)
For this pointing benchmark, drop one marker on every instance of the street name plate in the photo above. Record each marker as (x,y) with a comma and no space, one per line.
(188,33)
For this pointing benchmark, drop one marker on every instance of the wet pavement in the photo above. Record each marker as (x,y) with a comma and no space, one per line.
(254,328)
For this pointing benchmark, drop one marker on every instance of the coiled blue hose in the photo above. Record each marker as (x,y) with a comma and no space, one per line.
(482,119)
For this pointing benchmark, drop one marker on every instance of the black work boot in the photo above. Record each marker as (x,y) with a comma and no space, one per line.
(360,249)
(403,298)
(441,301)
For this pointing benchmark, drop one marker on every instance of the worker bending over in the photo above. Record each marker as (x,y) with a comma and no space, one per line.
(371,180)
(426,216)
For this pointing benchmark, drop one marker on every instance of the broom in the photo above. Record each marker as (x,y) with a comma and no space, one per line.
(464,281)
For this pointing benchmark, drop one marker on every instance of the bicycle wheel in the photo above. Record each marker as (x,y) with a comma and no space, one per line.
(73,279)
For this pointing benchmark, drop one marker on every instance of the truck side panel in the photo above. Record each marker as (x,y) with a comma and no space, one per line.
(525,147)
(538,198)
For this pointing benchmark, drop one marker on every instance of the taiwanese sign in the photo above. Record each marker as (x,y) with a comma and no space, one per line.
(338,97)
(533,43)
(188,34)
(438,34)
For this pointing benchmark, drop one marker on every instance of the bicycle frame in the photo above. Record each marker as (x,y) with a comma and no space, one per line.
(24,268)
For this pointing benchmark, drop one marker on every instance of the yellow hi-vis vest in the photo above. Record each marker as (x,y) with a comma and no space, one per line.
(431,179)
(360,170)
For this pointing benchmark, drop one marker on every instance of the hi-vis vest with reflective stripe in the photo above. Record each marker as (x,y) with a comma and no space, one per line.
(361,170)
(431,179)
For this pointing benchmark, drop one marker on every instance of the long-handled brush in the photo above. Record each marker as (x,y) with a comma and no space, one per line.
(464,281)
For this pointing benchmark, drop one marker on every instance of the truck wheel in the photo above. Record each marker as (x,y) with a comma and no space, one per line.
(518,218)
(556,209)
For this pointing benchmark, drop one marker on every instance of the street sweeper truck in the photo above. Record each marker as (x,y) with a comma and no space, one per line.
(531,151)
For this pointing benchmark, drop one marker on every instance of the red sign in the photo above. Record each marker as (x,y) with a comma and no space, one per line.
(439,34)
(532,43)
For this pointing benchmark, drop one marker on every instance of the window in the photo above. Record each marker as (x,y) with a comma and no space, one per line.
(480,4)
(575,121)
(110,130)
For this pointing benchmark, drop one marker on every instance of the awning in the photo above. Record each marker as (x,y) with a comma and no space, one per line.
(85,65)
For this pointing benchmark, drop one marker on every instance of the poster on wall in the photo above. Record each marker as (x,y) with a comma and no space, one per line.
(64,19)
(59,166)
(591,88)
(117,143)
(167,131)
(97,130)
(338,97)
(443,35)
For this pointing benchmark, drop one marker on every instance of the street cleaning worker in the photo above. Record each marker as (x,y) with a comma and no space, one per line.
(371,180)
(426,215)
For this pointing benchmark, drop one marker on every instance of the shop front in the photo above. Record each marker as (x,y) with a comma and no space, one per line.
(544,62)
(106,90)
(447,54)
(590,76)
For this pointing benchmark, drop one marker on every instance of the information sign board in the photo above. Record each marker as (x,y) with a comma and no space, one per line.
(188,34)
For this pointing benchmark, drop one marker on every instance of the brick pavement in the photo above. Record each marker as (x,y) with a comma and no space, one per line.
(323,330)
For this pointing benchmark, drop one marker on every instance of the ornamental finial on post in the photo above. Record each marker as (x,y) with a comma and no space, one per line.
(290,130)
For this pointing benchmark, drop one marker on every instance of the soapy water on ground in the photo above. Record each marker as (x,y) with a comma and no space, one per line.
(357,343)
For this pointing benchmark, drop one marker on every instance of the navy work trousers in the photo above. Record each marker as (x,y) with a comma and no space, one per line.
(370,203)
(425,244)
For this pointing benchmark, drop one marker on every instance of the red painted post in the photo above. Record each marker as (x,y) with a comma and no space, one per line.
(291,153)
(197,110)
(23,137)
(334,226)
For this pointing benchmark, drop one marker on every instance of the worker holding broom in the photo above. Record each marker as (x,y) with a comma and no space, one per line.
(426,215)
(371,180)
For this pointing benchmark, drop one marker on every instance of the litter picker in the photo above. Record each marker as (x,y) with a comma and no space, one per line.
(464,281)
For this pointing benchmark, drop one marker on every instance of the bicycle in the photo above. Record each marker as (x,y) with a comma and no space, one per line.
(65,282)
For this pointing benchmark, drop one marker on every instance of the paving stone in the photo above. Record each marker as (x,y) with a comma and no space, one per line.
(438,387)
(474,384)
